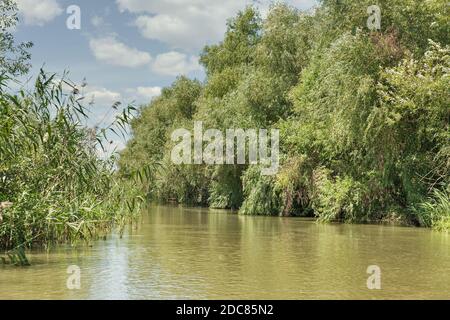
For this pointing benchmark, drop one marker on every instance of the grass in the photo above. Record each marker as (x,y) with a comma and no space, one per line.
(435,212)
(54,187)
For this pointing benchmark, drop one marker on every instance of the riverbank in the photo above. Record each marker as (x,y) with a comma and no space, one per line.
(360,118)
(392,219)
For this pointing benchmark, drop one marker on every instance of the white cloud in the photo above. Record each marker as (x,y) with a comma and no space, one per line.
(38,12)
(190,24)
(175,63)
(173,30)
(145,93)
(183,24)
(114,52)
(66,85)
(101,96)
(97,21)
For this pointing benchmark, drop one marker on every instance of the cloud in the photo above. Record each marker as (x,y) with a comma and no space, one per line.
(38,12)
(190,24)
(175,63)
(182,24)
(97,21)
(114,52)
(101,96)
(145,93)
(66,85)
(175,31)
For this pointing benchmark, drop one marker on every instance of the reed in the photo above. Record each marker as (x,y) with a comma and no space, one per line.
(54,187)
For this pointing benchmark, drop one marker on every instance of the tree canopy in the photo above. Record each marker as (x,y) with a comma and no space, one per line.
(363,115)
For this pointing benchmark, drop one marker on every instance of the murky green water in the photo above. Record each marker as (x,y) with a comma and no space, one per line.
(185,253)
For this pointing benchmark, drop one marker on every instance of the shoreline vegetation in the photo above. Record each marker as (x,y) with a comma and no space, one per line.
(55,187)
(363,115)
(363,119)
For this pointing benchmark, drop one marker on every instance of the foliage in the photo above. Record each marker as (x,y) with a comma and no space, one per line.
(50,169)
(435,212)
(363,115)
(260,195)
(54,184)
(336,199)
(13,58)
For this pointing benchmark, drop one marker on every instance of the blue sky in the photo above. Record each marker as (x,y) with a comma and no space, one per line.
(126,49)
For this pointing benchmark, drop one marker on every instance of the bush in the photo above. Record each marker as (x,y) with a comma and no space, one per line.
(50,169)
(336,198)
(435,212)
(261,197)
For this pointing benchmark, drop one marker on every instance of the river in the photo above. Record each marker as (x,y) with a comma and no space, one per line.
(192,253)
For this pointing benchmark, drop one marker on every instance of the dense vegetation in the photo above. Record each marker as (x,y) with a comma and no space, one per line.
(364,115)
(54,187)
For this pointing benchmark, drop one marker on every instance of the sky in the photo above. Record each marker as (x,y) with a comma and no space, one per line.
(127,50)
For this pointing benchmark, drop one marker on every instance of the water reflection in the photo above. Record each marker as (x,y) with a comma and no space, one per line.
(198,254)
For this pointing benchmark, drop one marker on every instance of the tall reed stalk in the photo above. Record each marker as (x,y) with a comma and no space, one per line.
(58,188)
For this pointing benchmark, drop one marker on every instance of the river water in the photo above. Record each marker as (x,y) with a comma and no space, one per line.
(191,253)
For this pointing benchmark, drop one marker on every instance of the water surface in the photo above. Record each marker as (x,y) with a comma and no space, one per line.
(190,253)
